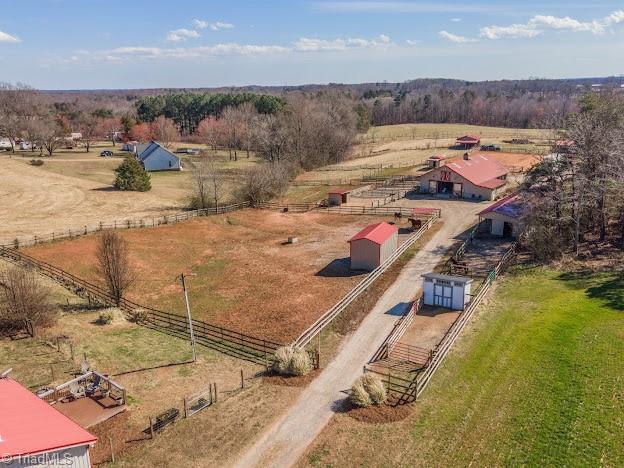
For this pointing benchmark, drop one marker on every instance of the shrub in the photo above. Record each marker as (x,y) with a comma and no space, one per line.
(359,396)
(375,388)
(139,316)
(283,356)
(265,182)
(36,162)
(292,361)
(368,390)
(300,362)
(105,318)
(132,176)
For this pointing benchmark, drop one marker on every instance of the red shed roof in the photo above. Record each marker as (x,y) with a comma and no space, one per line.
(479,170)
(339,191)
(377,233)
(511,206)
(469,139)
(30,425)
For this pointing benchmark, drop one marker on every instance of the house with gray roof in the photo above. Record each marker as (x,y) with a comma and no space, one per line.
(156,157)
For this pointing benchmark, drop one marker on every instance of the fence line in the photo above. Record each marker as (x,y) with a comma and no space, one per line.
(222,339)
(123,224)
(421,380)
(341,305)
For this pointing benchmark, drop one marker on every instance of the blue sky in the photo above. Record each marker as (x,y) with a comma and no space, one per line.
(82,44)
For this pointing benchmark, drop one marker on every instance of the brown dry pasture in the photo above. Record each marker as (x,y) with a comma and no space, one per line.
(247,279)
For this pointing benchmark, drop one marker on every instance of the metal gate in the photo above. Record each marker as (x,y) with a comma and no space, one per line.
(443,296)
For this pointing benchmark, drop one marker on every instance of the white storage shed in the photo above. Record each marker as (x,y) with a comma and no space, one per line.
(373,245)
(450,292)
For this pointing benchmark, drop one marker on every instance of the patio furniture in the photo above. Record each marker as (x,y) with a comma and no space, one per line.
(76,390)
(94,386)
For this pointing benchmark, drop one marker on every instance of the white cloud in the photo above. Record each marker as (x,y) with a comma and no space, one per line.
(180,35)
(539,24)
(131,53)
(306,44)
(455,38)
(4,37)
(456,20)
(200,24)
(220,25)
(413,42)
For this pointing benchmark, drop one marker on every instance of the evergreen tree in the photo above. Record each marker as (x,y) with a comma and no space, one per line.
(132,176)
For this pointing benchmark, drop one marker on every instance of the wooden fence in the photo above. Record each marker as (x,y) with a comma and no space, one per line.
(26,241)
(422,379)
(351,296)
(221,339)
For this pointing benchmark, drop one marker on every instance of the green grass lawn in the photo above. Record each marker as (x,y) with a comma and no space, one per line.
(537,381)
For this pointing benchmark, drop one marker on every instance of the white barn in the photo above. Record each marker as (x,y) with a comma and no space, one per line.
(450,292)
(156,157)
(373,245)
(33,433)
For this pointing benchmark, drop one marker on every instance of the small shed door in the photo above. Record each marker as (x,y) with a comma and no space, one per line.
(443,296)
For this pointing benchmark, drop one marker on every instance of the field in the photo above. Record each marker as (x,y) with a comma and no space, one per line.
(536,382)
(247,279)
(74,188)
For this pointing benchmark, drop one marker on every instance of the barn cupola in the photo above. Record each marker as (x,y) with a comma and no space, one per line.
(466,156)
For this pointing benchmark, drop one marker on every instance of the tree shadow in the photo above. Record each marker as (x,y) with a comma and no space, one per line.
(607,287)
(339,268)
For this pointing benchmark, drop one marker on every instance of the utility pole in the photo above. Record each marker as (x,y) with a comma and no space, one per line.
(188,314)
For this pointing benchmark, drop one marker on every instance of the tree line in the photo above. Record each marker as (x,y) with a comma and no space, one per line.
(578,194)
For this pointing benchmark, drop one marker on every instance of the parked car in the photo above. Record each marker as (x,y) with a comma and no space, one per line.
(193,151)
(106,154)
(490,148)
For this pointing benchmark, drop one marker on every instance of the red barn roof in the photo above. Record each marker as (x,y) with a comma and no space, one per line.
(377,233)
(30,425)
(479,170)
(339,191)
(469,139)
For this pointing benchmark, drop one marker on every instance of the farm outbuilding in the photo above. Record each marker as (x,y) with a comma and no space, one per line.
(449,292)
(373,245)
(468,141)
(34,433)
(476,176)
(504,218)
(435,161)
(337,197)
(156,157)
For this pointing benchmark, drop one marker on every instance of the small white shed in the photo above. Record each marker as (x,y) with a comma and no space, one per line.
(373,245)
(450,292)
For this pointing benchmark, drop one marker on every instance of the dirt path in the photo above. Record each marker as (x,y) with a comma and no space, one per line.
(34,201)
(286,440)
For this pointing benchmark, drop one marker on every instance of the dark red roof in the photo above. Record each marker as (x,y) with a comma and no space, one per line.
(438,156)
(511,206)
(377,233)
(479,170)
(29,425)
(339,191)
(469,139)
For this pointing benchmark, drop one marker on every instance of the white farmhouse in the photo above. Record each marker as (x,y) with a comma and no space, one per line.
(156,157)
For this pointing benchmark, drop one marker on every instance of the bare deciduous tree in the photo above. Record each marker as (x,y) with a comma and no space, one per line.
(208,182)
(165,131)
(114,264)
(27,301)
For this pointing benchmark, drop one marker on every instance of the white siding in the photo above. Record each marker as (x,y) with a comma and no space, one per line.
(498,227)
(388,247)
(76,457)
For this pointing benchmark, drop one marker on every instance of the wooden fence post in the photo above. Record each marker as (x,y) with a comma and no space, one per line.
(242,379)
(185,408)
(110,441)
(151,428)
(216,394)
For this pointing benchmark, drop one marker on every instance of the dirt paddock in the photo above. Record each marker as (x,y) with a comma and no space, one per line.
(248,278)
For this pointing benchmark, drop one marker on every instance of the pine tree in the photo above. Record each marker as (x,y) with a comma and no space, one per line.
(132,176)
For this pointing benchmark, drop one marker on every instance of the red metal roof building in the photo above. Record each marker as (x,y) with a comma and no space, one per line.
(373,245)
(31,429)
(338,196)
(504,218)
(468,141)
(476,176)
